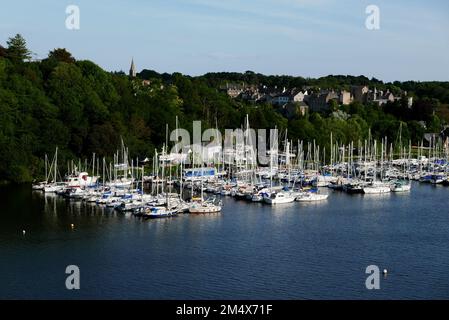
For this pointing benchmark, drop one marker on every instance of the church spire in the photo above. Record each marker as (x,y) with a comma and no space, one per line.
(132,70)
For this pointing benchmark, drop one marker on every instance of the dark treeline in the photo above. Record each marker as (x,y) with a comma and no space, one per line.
(82,109)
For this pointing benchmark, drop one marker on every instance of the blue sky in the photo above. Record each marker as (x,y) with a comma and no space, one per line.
(310,38)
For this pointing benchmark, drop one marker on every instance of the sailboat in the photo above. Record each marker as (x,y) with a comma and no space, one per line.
(121,180)
(260,195)
(54,186)
(401,186)
(310,196)
(353,187)
(159,212)
(208,206)
(377,187)
(204,207)
(280,197)
(437,178)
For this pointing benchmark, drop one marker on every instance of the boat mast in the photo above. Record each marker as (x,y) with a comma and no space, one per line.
(56,164)
(46,164)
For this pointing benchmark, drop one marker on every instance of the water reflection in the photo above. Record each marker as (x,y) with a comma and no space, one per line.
(313,204)
(250,250)
(283,208)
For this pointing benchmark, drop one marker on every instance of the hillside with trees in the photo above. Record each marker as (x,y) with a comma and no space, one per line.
(83,109)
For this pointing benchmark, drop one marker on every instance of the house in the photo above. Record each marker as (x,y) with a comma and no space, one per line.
(319,102)
(294,109)
(299,95)
(360,93)
(251,94)
(410,102)
(287,96)
(380,97)
(281,99)
(345,97)
(233,90)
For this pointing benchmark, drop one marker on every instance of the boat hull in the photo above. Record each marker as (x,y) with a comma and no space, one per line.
(404,188)
(279,201)
(206,209)
(376,190)
(312,198)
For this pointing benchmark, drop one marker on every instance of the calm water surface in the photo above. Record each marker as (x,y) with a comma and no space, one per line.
(250,251)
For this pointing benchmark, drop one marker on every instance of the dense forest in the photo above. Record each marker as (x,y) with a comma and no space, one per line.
(82,109)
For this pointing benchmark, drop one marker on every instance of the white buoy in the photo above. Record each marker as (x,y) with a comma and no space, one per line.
(385,271)
(23,232)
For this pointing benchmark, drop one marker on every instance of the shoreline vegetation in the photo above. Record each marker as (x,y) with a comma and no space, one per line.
(82,109)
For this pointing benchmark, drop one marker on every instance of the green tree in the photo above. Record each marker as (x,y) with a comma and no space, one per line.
(3,52)
(333,105)
(61,55)
(17,49)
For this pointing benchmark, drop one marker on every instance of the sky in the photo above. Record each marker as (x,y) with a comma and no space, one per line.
(309,38)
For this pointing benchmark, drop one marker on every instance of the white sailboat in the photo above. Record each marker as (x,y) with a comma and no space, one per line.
(204,207)
(311,197)
(400,186)
(377,187)
(120,170)
(54,186)
(281,197)
(208,206)
(159,212)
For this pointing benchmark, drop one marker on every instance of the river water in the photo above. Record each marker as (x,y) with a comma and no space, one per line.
(249,251)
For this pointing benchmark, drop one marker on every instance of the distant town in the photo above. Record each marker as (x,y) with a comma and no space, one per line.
(292,101)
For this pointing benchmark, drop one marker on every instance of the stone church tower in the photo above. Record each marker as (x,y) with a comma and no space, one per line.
(132,70)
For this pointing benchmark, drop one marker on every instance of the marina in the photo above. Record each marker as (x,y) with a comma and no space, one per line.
(282,231)
(170,184)
(215,158)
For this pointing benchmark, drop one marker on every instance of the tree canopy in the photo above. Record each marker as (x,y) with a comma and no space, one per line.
(82,109)
(17,49)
